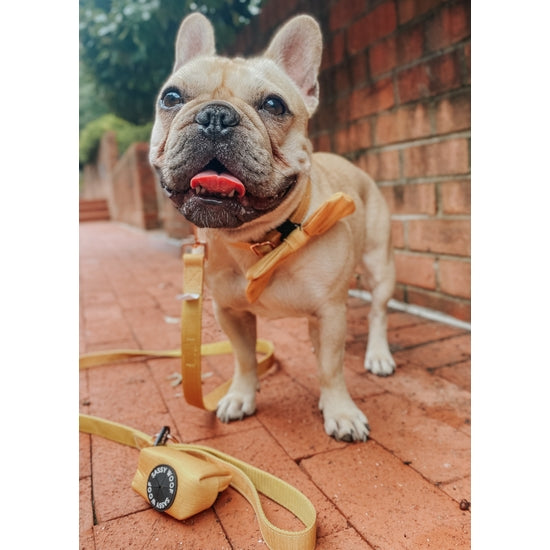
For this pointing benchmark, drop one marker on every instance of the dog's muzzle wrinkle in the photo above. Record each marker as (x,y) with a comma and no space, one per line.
(217,119)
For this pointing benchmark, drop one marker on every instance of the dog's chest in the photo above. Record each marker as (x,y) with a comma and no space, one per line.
(297,285)
(285,295)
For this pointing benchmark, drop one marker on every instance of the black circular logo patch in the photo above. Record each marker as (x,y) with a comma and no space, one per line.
(162,486)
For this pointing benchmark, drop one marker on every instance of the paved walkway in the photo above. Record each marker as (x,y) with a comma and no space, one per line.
(407,487)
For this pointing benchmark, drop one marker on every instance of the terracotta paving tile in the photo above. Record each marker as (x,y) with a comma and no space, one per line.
(106,330)
(103,313)
(358,323)
(86,517)
(437,354)
(126,393)
(407,337)
(401,489)
(399,320)
(96,297)
(459,490)
(150,328)
(126,343)
(154,531)
(405,430)
(113,468)
(131,300)
(291,415)
(261,450)
(459,374)
(189,423)
(84,451)
(349,539)
(86,540)
(387,502)
(436,396)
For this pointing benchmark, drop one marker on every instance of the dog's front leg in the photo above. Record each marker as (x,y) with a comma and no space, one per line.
(240,400)
(343,419)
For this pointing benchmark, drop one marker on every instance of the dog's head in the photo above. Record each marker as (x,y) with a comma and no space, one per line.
(230,136)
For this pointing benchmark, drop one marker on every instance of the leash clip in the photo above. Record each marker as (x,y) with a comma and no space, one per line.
(162,436)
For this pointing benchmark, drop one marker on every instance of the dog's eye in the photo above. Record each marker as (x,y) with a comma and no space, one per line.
(171,98)
(274,106)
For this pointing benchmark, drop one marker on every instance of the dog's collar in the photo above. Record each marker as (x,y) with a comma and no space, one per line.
(276,236)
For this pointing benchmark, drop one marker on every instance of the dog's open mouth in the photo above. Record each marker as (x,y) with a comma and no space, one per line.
(211,182)
(218,198)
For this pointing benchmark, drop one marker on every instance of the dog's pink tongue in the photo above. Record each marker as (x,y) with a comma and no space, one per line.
(218,183)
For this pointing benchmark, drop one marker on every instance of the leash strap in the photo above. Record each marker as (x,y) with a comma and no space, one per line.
(245,478)
(191,314)
(192,348)
(191,325)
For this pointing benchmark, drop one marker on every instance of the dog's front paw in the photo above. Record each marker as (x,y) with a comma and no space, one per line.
(236,405)
(345,422)
(380,362)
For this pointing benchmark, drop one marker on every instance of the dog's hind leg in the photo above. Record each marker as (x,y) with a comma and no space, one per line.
(240,400)
(380,267)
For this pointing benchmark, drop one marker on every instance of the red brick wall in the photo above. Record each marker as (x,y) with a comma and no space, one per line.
(97,182)
(134,190)
(131,189)
(395,100)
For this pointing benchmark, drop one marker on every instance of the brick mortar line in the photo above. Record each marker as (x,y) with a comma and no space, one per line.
(430,217)
(422,16)
(394,73)
(220,522)
(430,342)
(205,440)
(425,101)
(433,255)
(427,58)
(432,140)
(456,46)
(173,422)
(436,484)
(330,499)
(433,370)
(435,294)
(424,179)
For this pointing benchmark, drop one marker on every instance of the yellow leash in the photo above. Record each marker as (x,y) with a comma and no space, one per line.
(259,275)
(197,483)
(192,348)
(192,464)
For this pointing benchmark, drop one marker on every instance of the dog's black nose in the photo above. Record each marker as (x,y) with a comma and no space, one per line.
(217,118)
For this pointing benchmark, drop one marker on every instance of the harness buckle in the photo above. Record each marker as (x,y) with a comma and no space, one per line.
(259,248)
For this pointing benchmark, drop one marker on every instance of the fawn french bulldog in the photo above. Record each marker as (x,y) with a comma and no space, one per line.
(231,150)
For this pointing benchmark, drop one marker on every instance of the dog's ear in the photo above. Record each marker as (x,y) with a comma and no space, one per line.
(297,48)
(195,37)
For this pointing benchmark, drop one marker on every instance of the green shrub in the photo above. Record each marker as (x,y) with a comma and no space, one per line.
(131,134)
(91,135)
(126,134)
